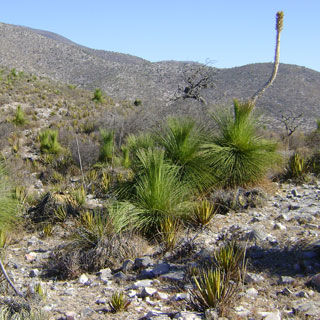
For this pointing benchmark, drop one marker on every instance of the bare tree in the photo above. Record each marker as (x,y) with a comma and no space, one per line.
(194,80)
(291,122)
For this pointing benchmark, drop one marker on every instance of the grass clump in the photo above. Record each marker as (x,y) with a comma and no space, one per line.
(49,142)
(238,155)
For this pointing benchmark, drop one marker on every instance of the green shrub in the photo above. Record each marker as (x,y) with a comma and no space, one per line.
(19,118)
(238,155)
(97,96)
(107,146)
(49,142)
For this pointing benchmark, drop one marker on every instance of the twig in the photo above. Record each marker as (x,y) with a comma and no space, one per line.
(80,163)
(9,281)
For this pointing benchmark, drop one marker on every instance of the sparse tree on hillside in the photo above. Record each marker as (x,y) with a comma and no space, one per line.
(194,80)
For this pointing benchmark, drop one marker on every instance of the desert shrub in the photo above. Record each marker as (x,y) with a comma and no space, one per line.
(107,145)
(49,142)
(182,140)
(238,155)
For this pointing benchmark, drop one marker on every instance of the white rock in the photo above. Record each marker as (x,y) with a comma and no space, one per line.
(271,315)
(252,292)
(83,279)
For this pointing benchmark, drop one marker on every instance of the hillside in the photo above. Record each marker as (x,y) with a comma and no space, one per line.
(128,77)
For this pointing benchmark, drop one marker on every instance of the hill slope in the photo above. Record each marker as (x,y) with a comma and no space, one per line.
(124,76)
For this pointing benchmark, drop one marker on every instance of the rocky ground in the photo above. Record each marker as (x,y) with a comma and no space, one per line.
(282,279)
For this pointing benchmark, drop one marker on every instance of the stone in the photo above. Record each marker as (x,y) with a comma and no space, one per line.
(71,315)
(87,312)
(302,294)
(148,292)
(142,284)
(105,275)
(276,315)
(286,292)
(160,268)
(101,301)
(120,276)
(153,313)
(173,276)
(30,257)
(310,308)
(253,278)
(279,226)
(143,262)
(163,296)
(286,280)
(188,315)
(252,292)
(34,273)
(127,265)
(315,281)
(83,279)
(242,312)
(211,314)
(181,296)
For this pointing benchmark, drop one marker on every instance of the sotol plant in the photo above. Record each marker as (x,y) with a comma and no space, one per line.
(49,142)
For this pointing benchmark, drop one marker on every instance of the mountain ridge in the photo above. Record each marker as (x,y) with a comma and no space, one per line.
(127,77)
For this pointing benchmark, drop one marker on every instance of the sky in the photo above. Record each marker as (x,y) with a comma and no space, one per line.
(229,33)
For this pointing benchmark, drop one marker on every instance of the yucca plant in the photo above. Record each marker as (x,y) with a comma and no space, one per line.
(297,166)
(169,231)
(8,204)
(203,212)
(19,117)
(213,290)
(238,155)
(182,140)
(119,302)
(231,258)
(107,145)
(49,142)
(157,190)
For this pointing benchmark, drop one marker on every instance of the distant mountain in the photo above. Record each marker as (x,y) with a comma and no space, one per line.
(128,77)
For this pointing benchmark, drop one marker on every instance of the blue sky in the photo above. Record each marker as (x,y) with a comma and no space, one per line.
(229,32)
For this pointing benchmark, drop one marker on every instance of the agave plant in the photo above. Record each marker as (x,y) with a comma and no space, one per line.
(213,290)
(119,302)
